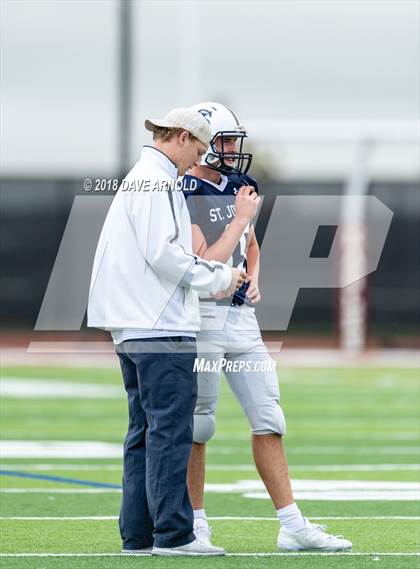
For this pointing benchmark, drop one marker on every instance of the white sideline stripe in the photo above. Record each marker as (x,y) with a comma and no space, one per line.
(312,450)
(221,467)
(56,518)
(322,467)
(251,518)
(331,496)
(371,437)
(304,489)
(25,388)
(335,497)
(47,467)
(276,554)
(99,449)
(257,485)
(332,490)
(348,496)
(213,518)
(60,490)
(59,449)
(325,485)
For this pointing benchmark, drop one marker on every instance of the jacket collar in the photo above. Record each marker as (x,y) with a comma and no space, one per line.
(159,156)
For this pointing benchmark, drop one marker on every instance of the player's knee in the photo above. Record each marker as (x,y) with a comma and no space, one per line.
(266,420)
(204,428)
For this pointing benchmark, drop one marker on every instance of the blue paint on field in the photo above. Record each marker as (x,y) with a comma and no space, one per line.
(61,479)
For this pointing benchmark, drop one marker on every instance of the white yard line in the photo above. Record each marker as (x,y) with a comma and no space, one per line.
(47,449)
(36,388)
(56,518)
(59,449)
(213,518)
(44,467)
(321,467)
(219,467)
(331,496)
(60,490)
(251,518)
(304,489)
(274,554)
(317,450)
(407,435)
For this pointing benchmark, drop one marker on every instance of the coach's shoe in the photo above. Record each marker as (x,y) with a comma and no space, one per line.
(144,551)
(196,547)
(312,538)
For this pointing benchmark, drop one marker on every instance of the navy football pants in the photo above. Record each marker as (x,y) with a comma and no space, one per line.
(162,391)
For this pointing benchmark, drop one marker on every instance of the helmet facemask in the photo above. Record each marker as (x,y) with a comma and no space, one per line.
(237,162)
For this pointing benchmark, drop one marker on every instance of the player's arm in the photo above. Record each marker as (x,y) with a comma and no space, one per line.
(223,248)
(253,263)
(246,205)
(157,237)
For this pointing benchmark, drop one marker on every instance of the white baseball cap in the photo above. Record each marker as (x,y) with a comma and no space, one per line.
(188,119)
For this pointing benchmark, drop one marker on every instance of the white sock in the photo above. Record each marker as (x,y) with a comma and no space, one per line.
(291,517)
(200,518)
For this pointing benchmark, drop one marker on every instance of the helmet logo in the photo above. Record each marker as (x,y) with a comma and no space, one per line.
(206,114)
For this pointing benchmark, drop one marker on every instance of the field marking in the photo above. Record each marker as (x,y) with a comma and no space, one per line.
(39,388)
(60,490)
(241,486)
(322,467)
(332,490)
(61,479)
(349,496)
(212,518)
(39,466)
(251,518)
(60,449)
(271,554)
(99,449)
(222,467)
(56,518)
(315,450)
(304,489)
(394,436)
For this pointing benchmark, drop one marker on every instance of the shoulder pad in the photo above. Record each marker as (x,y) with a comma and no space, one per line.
(243,179)
(251,182)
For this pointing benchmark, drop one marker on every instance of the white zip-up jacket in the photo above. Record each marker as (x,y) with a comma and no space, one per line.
(145,275)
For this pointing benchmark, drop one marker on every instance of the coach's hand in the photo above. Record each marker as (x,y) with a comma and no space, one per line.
(246,203)
(253,293)
(238,279)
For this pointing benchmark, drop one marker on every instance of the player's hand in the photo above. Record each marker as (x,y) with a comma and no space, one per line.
(253,294)
(246,203)
(238,279)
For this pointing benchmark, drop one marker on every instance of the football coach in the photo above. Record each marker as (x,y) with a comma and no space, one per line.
(144,290)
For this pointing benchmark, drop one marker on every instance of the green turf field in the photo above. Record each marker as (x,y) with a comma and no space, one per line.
(354,429)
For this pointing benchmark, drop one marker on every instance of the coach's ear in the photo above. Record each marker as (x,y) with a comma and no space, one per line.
(286,264)
(183,137)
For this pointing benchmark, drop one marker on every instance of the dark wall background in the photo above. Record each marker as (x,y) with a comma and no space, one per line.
(34,214)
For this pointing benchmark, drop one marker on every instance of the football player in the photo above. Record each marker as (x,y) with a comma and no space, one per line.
(223,200)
